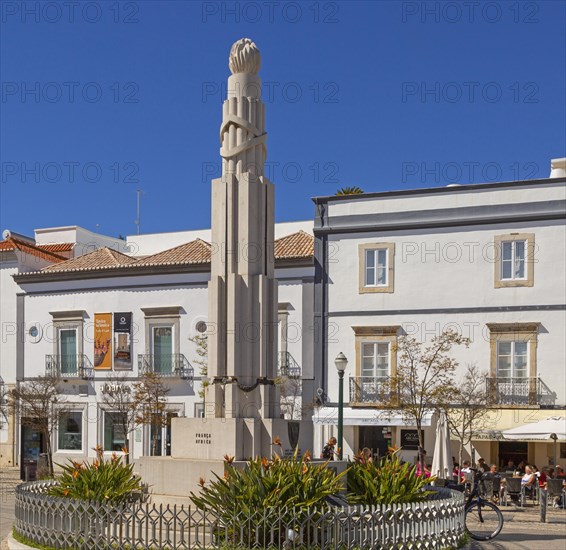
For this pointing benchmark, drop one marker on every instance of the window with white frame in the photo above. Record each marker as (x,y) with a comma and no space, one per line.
(376,262)
(512,359)
(375,359)
(513,259)
(376,265)
(70,431)
(114,431)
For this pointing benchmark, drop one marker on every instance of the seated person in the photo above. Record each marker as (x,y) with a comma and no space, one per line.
(466,469)
(456,472)
(529,480)
(496,475)
(541,476)
(423,472)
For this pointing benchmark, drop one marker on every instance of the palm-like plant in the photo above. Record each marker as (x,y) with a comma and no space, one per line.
(103,481)
(292,486)
(354,190)
(387,481)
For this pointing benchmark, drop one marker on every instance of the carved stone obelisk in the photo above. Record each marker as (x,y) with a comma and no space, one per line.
(242,292)
(241,400)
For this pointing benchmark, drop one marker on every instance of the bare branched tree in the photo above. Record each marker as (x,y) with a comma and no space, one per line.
(38,404)
(290,391)
(424,381)
(118,396)
(468,412)
(149,404)
(201,342)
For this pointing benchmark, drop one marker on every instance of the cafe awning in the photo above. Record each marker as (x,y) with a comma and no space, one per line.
(365,417)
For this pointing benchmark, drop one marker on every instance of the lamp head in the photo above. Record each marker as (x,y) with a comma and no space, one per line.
(341,362)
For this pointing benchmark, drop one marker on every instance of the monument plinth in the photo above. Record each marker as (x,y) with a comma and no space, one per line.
(242,415)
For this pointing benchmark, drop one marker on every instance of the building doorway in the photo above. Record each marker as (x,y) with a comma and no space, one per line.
(517,451)
(31,447)
(375,438)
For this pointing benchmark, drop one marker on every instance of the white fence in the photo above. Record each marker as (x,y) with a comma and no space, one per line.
(81,525)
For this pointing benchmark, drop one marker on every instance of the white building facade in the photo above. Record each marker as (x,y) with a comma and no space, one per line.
(22,254)
(107,316)
(484,260)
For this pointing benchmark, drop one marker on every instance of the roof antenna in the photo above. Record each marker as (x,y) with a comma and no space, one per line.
(140,192)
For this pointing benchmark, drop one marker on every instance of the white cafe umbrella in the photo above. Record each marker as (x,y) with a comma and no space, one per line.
(442,465)
(553,428)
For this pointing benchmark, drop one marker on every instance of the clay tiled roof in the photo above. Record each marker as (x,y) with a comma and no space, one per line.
(194,252)
(297,245)
(57,247)
(12,243)
(102,258)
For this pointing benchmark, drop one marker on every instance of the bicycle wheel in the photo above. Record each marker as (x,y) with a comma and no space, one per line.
(484,520)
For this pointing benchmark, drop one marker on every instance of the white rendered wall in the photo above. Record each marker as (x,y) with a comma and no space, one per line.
(459,197)
(151,243)
(126,294)
(85,241)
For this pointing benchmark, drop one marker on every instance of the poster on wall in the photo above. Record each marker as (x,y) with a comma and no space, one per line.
(122,340)
(103,341)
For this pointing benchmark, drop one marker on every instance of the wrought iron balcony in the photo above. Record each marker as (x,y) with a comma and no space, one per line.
(174,365)
(69,366)
(518,391)
(287,366)
(370,389)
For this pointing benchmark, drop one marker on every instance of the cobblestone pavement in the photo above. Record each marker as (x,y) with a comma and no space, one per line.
(9,478)
(523,530)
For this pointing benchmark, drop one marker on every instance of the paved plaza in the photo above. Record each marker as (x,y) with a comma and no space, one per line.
(522,530)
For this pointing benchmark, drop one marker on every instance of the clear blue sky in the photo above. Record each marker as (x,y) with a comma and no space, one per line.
(113,97)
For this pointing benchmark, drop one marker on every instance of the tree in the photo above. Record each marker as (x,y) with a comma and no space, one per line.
(424,381)
(468,413)
(290,390)
(38,404)
(149,404)
(118,397)
(201,342)
(354,190)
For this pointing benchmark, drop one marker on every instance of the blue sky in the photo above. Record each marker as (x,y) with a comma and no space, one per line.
(115,96)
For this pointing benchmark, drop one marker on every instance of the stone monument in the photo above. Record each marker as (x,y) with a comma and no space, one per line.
(242,417)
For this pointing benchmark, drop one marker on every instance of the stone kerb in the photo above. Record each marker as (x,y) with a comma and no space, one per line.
(65,523)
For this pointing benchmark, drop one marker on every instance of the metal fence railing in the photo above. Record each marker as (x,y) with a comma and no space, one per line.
(69,366)
(173,365)
(288,366)
(64,523)
(515,391)
(370,389)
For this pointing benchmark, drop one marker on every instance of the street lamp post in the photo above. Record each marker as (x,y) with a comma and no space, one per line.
(341,362)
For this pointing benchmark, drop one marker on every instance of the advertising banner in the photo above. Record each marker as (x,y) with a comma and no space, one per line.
(103,341)
(123,340)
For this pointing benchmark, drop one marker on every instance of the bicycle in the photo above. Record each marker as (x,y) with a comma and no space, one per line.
(483,519)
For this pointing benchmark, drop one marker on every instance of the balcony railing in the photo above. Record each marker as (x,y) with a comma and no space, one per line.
(174,365)
(69,366)
(288,366)
(518,391)
(370,389)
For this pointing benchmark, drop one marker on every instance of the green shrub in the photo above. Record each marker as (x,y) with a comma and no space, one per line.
(103,481)
(292,485)
(387,481)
